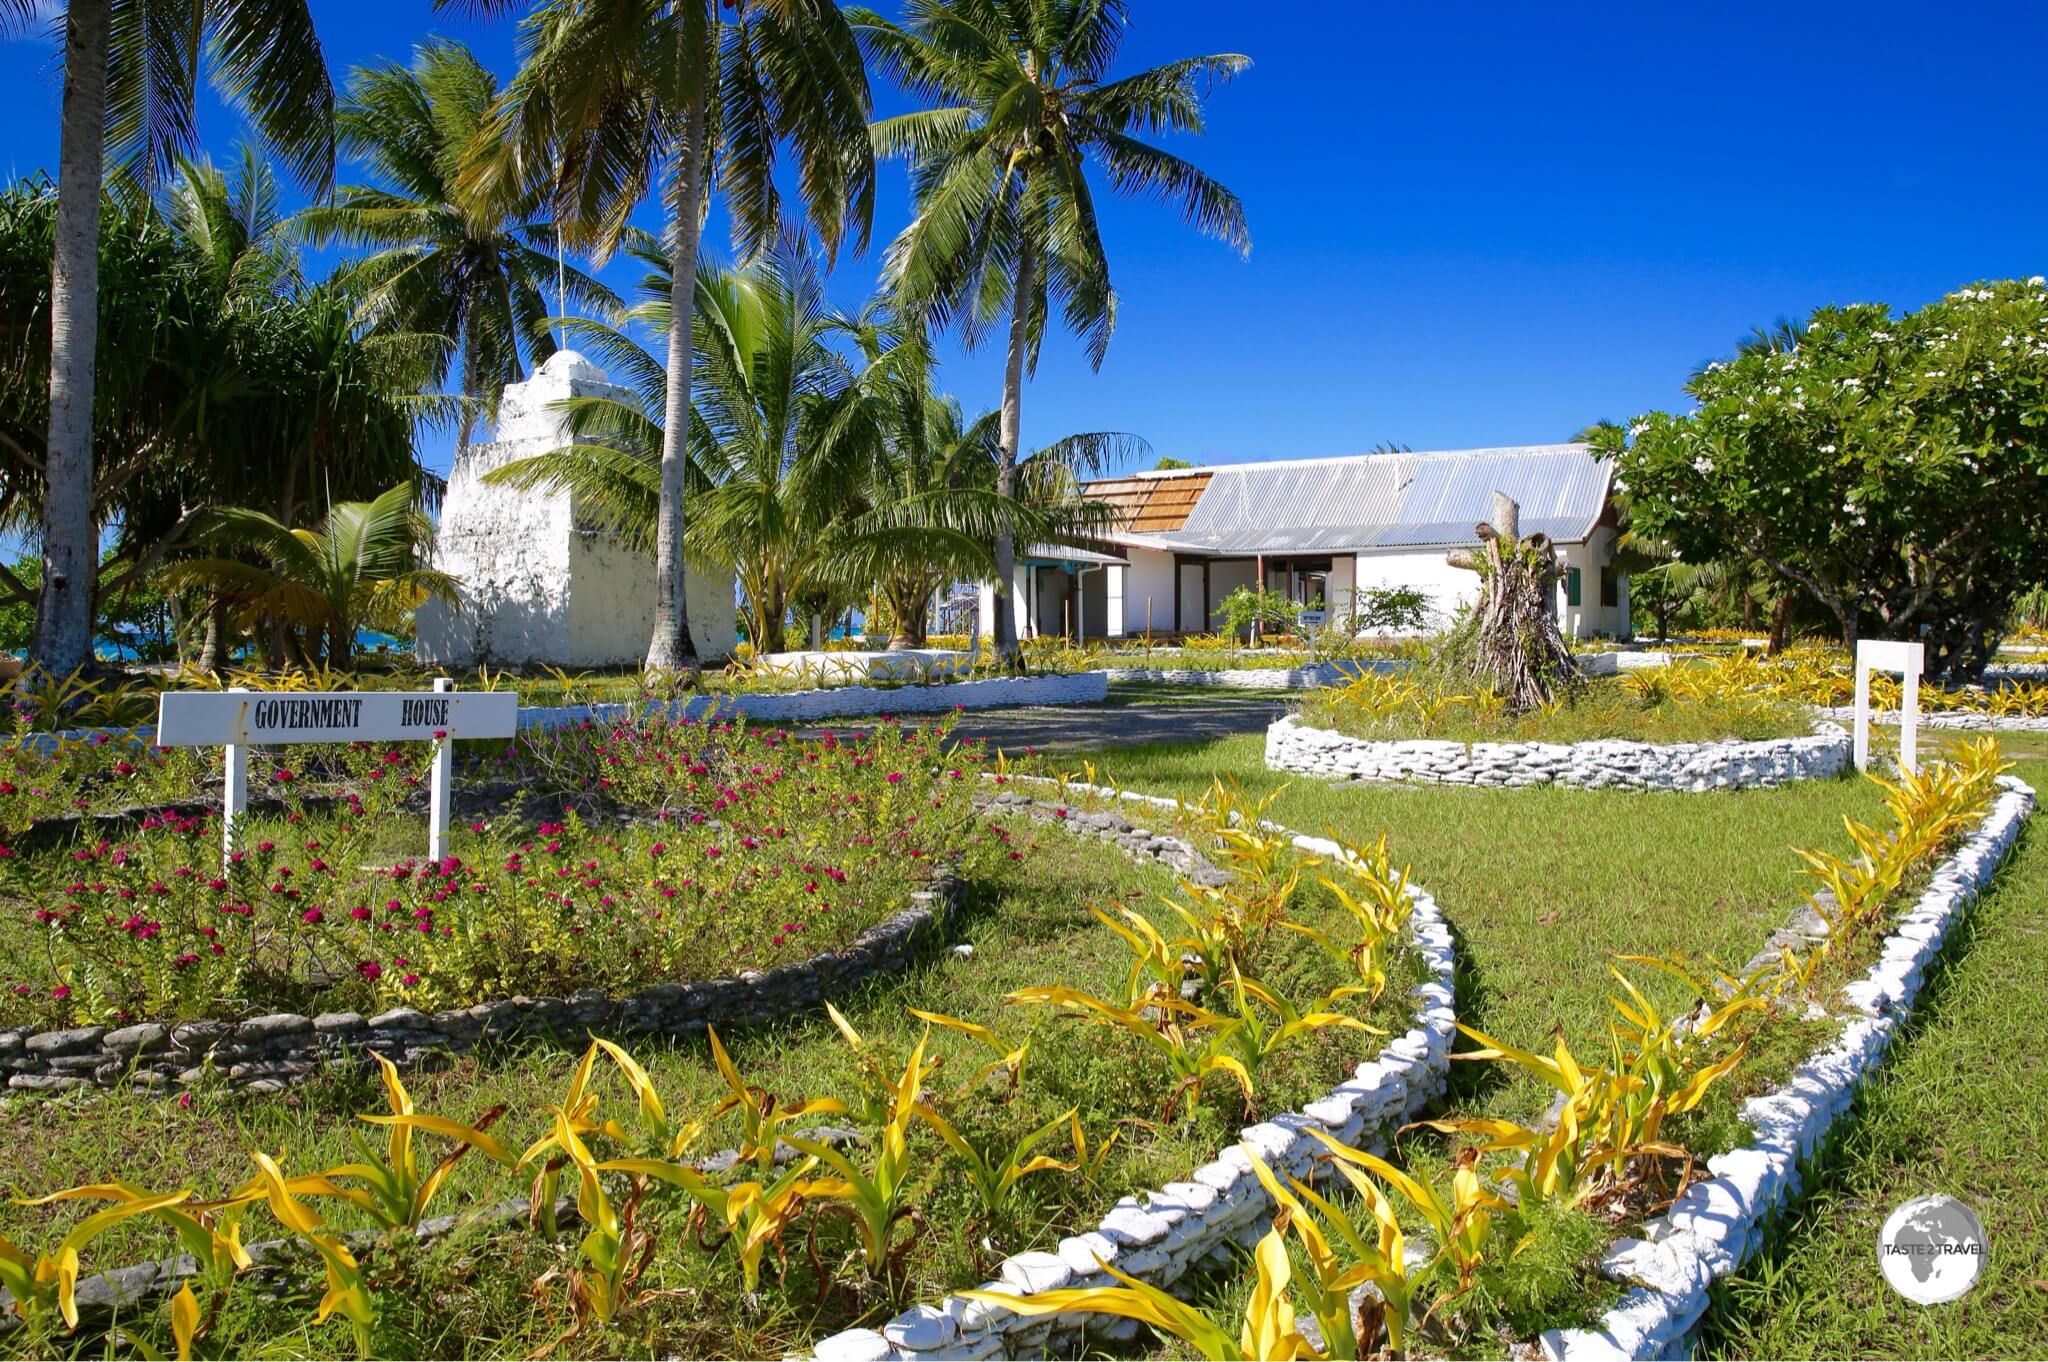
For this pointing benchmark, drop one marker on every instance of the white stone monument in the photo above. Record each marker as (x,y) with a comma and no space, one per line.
(540,584)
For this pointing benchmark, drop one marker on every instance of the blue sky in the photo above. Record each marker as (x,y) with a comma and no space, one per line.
(1472,224)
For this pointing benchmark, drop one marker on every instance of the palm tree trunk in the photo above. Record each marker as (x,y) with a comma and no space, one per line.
(671,649)
(213,654)
(70,541)
(1010,437)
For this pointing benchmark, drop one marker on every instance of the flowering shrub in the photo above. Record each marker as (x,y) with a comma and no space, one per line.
(745,850)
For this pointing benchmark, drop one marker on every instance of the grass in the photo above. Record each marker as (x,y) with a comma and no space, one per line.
(1959,1109)
(468,1298)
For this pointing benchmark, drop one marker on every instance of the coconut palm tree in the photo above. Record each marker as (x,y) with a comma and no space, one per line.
(933,471)
(233,225)
(362,566)
(130,74)
(1006,224)
(476,268)
(615,96)
(815,472)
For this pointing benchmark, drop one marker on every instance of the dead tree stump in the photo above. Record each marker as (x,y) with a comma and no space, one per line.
(1511,643)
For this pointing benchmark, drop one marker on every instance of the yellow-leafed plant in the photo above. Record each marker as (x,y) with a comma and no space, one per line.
(50,1281)
(1458,1224)
(395,1190)
(874,1196)
(347,1293)
(1192,1040)
(1376,1257)
(995,1169)
(1267,1330)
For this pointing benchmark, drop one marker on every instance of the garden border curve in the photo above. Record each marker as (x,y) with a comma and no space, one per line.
(1715,1226)
(1217,1209)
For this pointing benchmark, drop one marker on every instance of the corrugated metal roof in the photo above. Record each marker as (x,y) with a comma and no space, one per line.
(1407,500)
(1069,553)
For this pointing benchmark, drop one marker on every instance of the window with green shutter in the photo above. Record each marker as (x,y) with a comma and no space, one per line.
(1571,586)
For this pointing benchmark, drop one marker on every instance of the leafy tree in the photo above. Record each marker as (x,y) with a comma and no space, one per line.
(477,267)
(1006,223)
(361,566)
(130,75)
(613,96)
(1254,608)
(1168,463)
(1889,466)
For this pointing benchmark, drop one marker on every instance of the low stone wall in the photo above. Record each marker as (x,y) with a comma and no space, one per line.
(1292,745)
(1255,678)
(1712,1229)
(848,702)
(270,1053)
(1615,663)
(1208,1217)
(1968,720)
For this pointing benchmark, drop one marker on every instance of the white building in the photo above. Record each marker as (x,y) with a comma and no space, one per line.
(1320,529)
(539,584)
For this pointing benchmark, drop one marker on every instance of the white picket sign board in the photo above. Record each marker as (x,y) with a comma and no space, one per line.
(236,720)
(1907,659)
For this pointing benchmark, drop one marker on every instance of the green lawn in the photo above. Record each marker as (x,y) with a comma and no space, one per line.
(1960,1109)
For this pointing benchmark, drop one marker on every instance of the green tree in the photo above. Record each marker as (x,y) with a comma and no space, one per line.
(361,566)
(1005,223)
(476,268)
(616,96)
(130,75)
(1891,467)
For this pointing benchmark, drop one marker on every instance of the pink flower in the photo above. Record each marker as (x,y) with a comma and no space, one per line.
(895,777)
(359,913)
(61,992)
(184,1101)
(411,979)
(311,916)
(370,970)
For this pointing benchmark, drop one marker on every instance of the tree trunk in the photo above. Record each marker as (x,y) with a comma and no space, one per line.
(1011,433)
(70,538)
(671,649)
(1781,624)
(213,654)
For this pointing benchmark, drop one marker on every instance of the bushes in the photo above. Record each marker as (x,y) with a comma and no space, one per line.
(1655,706)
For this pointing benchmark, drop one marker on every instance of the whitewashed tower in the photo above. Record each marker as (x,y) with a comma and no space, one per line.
(538,583)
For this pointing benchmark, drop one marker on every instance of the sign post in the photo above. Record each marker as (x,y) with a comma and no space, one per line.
(1313,618)
(238,719)
(1907,659)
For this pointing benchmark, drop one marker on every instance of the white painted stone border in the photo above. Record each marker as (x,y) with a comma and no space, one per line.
(835,702)
(1219,1207)
(1310,677)
(1292,745)
(1968,719)
(1719,1222)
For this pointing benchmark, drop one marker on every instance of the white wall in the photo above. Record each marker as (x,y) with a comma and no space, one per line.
(1149,577)
(1590,617)
(1448,587)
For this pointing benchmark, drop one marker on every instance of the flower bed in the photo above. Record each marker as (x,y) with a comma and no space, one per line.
(1712,1229)
(845,702)
(1292,745)
(734,851)
(1204,1218)
(1968,720)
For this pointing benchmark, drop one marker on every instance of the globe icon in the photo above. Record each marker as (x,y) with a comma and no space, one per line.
(1932,1249)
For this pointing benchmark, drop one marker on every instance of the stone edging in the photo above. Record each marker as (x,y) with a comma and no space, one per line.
(845,702)
(1315,675)
(270,1053)
(834,702)
(1719,1222)
(1220,1207)
(1292,745)
(1968,719)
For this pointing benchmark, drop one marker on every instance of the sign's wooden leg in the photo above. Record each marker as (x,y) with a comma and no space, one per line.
(234,797)
(444,777)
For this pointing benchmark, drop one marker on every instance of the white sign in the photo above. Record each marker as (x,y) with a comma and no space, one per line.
(1312,618)
(236,720)
(1907,659)
(198,718)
